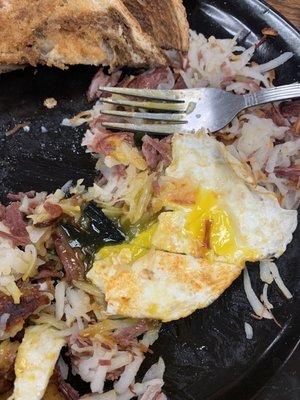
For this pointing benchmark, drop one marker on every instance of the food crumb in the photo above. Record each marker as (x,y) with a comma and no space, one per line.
(17,127)
(50,102)
(248,331)
(26,128)
(269,32)
(43,129)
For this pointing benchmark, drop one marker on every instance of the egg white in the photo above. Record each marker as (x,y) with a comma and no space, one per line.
(35,362)
(162,285)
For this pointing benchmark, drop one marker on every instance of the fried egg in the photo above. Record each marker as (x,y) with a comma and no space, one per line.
(35,362)
(199,244)
(162,285)
(256,220)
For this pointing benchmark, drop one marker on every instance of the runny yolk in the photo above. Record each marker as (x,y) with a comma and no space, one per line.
(138,246)
(205,213)
(221,234)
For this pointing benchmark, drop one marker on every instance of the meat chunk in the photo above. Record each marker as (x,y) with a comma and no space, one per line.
(31,301)
(74,267)
(125,337)
(156,151)
(101,79)
(153,79)
(292,172)
(64,387)
(17,240)
(290,108)
(20,196)
(12,218)
(8,351)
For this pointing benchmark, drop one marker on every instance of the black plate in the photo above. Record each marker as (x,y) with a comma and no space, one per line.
(207,354)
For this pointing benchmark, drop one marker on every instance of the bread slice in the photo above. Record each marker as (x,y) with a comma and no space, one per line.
(165,20)
(66,32)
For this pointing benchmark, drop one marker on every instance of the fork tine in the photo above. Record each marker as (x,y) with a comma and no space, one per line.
(179,118)
(175,107)
(158,129)
(164,95)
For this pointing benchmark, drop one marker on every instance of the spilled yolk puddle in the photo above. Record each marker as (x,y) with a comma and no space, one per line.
(138,246)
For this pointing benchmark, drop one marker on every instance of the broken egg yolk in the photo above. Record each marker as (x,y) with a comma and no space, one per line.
(206,222)
(211,225)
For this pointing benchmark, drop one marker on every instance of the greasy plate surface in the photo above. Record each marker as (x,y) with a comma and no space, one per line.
(207,354)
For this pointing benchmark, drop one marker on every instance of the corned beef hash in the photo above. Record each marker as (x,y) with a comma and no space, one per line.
(176,220)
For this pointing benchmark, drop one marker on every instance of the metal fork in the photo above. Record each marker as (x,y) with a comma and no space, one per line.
(187,110)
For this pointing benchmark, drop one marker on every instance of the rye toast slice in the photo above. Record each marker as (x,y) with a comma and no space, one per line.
(66,32)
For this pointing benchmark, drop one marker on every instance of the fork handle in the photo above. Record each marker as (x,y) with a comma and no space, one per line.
(284,92)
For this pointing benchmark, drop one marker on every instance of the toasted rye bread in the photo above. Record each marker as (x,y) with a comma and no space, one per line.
(165,20)
(66,32)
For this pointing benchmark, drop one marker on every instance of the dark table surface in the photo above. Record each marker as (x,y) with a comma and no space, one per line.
(289,8)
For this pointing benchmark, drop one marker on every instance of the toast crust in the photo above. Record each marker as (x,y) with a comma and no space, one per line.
(66,32)
(166,20)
